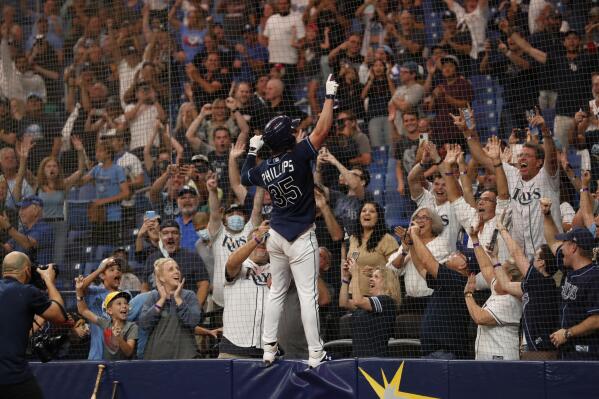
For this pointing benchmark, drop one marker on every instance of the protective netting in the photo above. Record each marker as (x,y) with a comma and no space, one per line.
(124,126)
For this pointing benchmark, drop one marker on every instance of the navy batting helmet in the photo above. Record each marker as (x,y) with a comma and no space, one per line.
(278,133)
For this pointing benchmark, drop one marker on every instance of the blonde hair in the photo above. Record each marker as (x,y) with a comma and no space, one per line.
(390,283)
(159,266)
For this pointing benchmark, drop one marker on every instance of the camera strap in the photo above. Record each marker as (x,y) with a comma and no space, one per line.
(62,310)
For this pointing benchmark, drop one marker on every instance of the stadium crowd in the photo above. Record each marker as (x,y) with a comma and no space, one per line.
(124,126)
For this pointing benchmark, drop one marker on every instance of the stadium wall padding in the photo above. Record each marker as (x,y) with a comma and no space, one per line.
(244,379)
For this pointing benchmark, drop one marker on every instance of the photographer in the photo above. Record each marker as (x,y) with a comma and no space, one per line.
(19,302)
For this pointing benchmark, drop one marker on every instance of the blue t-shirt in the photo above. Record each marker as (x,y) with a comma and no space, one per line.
(94,298)
(43,234)
(134,311)
(288,178)
(108,183)
(18,304)
(192,41)
(188,234)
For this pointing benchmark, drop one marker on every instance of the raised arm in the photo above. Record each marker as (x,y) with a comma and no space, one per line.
(333,227)
(23,149)
(234,175)
(550,162)
(421,254)
(82,307)
(215,222)
(195,142)
(586,200)
(453,189)
(473,140)
(515,250)
(494,153)
(81,164)
(256,215)
(353,181)
(236,259)
(466,180)
(549,227)
(486,267)
(358,300)
(538,55)
(321,131)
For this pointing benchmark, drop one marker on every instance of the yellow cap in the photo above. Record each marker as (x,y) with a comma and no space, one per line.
(114,295)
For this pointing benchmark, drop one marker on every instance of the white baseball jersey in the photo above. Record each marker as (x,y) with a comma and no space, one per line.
(445,211)
(502,341)
(223,245)
(527,225)
(416,284)
(245,300)
(467,217)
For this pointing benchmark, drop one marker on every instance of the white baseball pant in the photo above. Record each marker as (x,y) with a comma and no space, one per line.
(300,260)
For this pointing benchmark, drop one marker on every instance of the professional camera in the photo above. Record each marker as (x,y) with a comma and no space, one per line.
(45,347)
(36,279)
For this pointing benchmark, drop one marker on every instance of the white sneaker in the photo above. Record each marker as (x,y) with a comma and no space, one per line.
(270,354)
(320,358)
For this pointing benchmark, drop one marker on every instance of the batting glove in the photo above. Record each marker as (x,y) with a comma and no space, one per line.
(256,143)
(331,87)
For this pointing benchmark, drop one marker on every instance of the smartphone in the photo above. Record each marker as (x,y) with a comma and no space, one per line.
(530,114)
(423,138)
(468,118)
(151,215)
(354,255)
(493,242)
(520,134)
(593,108)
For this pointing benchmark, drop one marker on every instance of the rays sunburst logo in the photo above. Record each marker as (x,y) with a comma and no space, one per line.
(391,390)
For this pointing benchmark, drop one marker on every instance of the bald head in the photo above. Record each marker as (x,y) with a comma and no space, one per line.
(274,89)
(15,263)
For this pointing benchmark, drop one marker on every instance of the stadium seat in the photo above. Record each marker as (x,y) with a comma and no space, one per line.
(345,327)
(379,160)
(77,215)
(404,348)
(341,348)
(407,326)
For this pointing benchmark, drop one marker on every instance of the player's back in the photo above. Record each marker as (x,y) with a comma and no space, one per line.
(288,178)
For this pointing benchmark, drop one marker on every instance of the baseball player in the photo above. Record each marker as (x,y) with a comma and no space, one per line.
(293,249)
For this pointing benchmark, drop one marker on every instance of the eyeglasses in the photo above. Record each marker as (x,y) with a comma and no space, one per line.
(483,199)
(422,217)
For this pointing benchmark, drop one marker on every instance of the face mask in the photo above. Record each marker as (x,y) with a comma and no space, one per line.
(203,234)
(235,222)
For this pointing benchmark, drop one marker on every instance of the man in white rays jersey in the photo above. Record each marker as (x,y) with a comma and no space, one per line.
(436,196)
(535,176)
(228,231)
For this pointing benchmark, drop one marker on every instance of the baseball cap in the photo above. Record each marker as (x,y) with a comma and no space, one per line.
(581,236)
(169,223)
(30,200)
(410,66)
(200,158)
(36,95)
(594,12)
(450,58)
(473,266)
(448,14)
(187,190)
(235,208)
(115,295)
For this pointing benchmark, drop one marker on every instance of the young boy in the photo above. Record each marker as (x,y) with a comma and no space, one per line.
(109,272)
(119,334)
